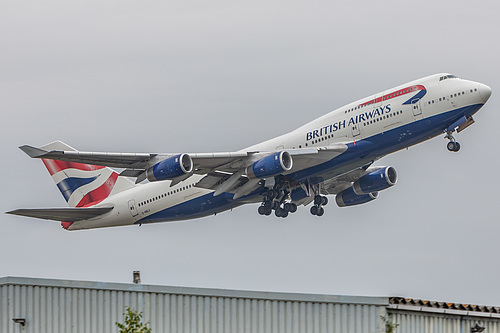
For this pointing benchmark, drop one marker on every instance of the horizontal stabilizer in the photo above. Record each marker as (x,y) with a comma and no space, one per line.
(33,152)
(62,214)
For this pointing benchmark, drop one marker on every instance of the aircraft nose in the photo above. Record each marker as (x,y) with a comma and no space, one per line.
(484,92)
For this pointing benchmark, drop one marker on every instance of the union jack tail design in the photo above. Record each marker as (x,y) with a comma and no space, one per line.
(83,185)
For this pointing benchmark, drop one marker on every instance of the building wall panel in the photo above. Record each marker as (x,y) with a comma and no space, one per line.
(418,322)
(81,310)
(87,307)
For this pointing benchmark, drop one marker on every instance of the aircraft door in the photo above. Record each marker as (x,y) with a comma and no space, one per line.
(355,130)
(416,108)
(132,209)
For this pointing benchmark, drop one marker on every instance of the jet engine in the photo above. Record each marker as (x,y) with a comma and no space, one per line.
(170,168)
(348,198)
(375,181)
(270,165)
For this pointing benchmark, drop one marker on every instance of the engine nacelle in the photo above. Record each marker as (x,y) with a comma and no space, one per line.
(376,181)
(348,198)
(170,168)
(270,165)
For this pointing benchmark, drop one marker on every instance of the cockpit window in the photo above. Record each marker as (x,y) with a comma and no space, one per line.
(447,77)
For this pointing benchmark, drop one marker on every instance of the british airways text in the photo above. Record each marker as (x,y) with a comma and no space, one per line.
(352,121)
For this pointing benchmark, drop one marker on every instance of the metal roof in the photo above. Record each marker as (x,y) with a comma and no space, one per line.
(226,293)
(410,304)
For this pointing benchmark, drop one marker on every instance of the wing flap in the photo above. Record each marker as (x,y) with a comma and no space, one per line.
(62,214)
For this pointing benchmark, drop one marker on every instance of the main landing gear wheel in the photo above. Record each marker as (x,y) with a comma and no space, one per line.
(453,146)
(278,199)
(319,201)
(317,210)
(320,212)
(280,210)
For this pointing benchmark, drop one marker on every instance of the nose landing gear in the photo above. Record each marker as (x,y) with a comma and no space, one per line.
(453,145)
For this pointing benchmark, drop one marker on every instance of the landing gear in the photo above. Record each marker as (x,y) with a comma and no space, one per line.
(265,208)
(290,207)
(275,199)
(280,212)
(453,145)
(319,201)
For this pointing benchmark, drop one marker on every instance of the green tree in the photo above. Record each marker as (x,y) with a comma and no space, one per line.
(389,326)
(133,322)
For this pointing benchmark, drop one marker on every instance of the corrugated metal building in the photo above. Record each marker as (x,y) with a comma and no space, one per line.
(43,305)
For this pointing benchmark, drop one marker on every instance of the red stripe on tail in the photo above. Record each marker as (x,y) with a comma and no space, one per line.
(100,193)
(54,166)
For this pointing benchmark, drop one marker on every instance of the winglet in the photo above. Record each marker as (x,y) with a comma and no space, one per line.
(33,152)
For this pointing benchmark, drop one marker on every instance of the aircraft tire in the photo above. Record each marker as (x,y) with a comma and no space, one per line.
(279,212)
(314,210)
(324,201)
(453,146)
(321,211)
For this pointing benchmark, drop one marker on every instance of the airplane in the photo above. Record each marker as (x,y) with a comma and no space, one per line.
(331,155)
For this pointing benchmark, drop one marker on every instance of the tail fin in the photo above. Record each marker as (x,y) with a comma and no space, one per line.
(83,185)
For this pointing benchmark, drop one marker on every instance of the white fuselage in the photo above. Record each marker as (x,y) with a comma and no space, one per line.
(387,121)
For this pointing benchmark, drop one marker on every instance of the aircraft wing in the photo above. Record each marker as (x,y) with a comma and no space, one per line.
(225,171)
(133,161)
(136,163)
(62,214)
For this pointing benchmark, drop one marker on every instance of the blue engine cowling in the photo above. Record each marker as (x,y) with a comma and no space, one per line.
(348,198)
(376,181)
(170,168)
(270,165)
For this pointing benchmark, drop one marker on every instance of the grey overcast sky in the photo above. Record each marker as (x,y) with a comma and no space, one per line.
(198,76)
